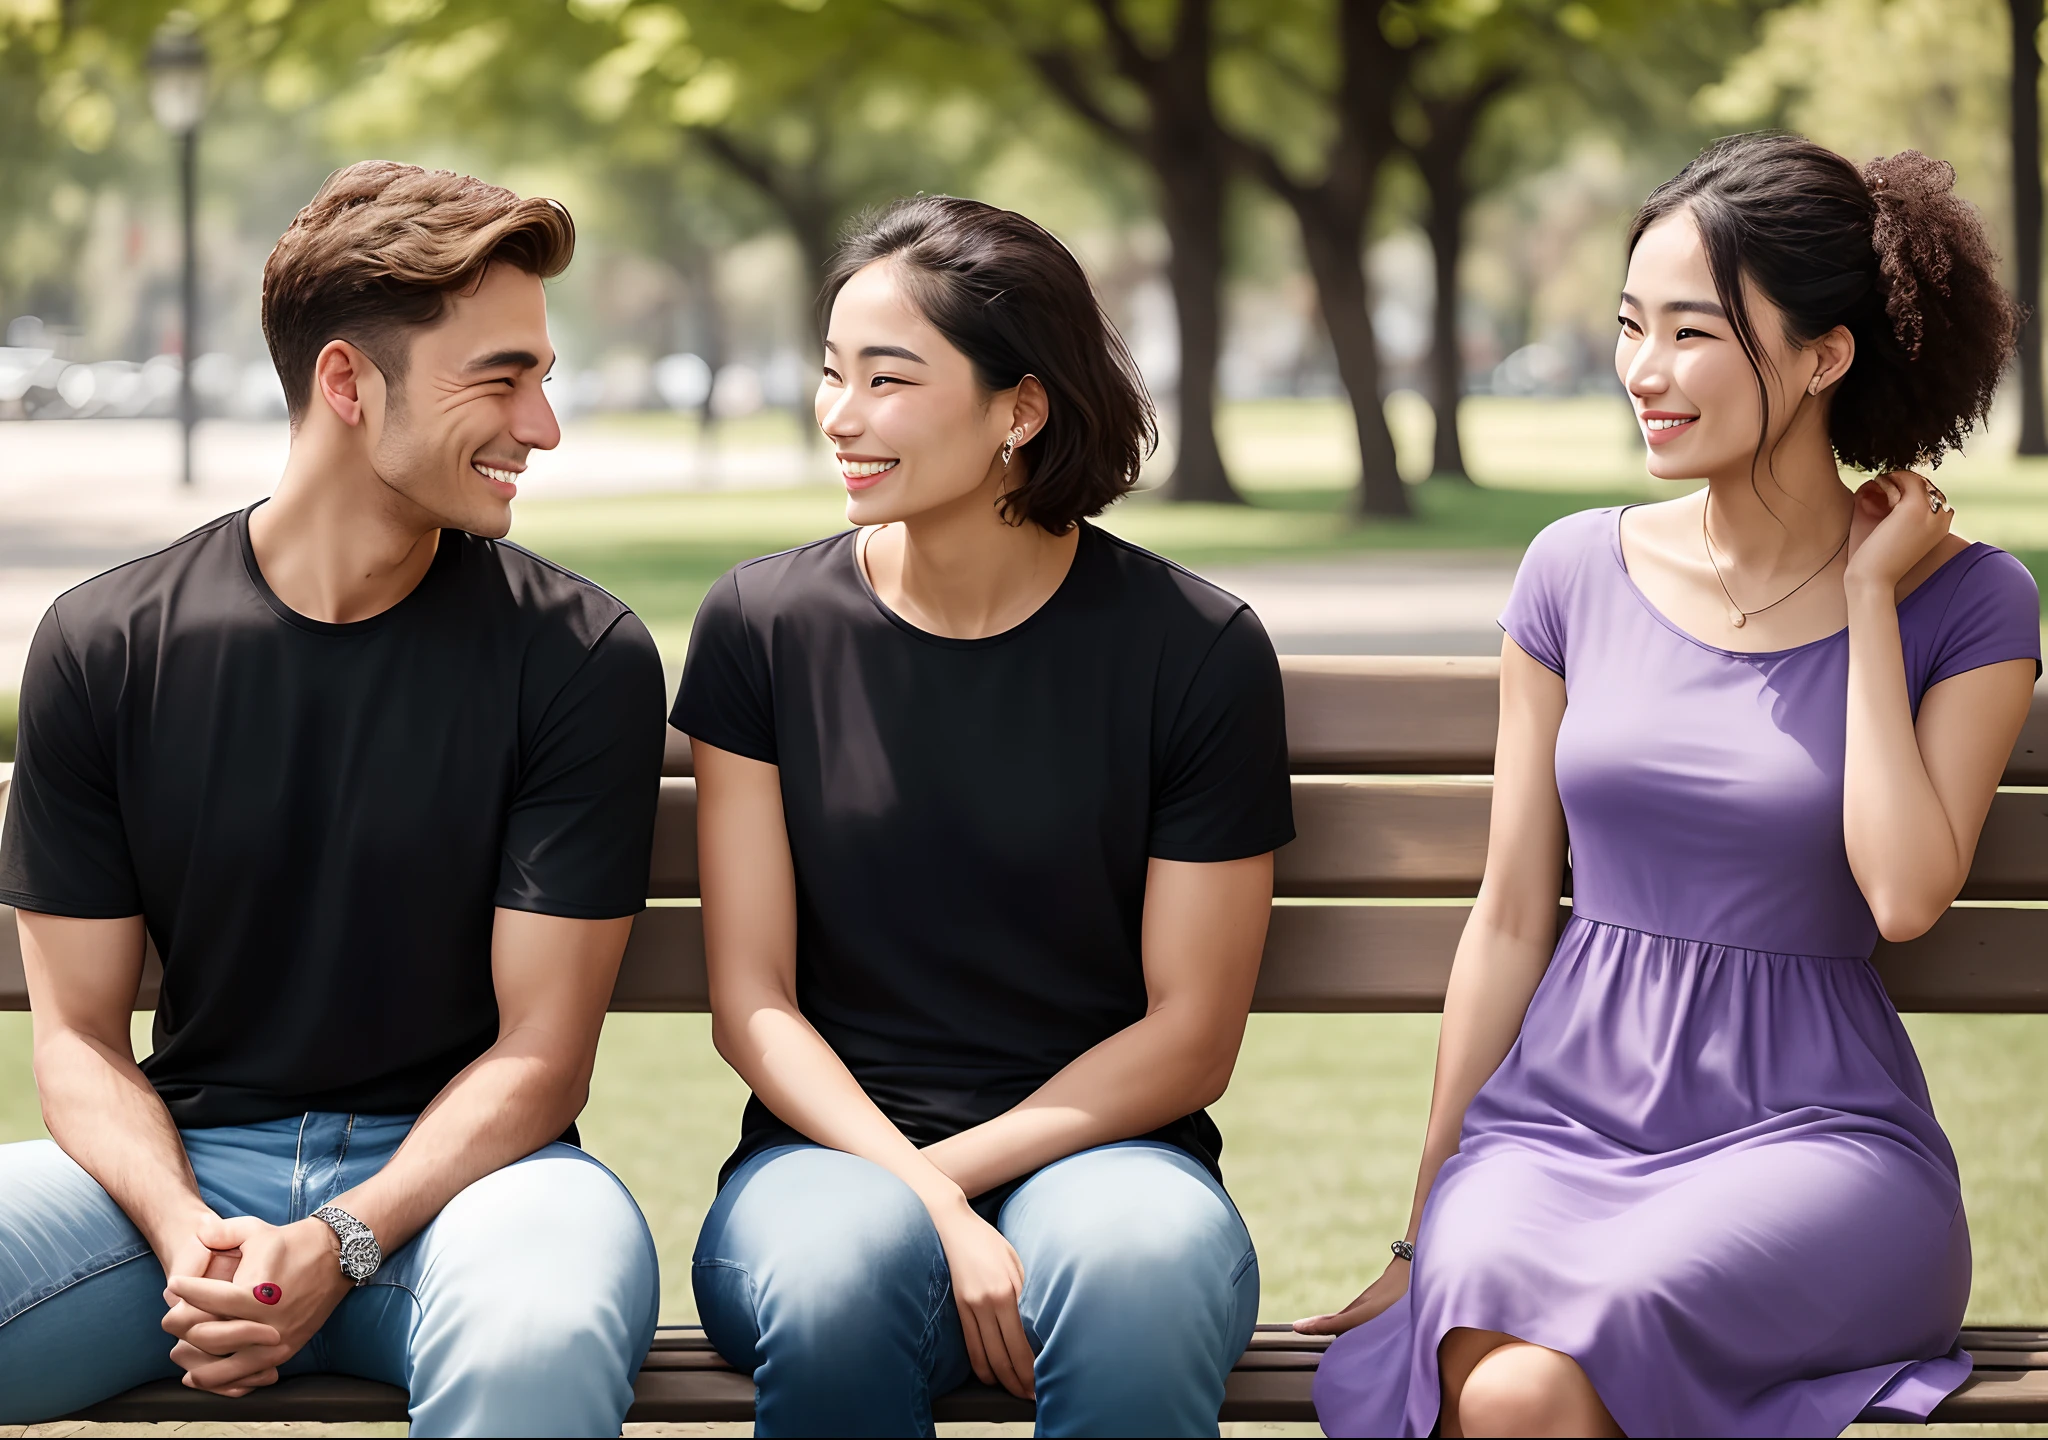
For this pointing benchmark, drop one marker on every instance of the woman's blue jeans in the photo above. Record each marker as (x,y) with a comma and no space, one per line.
(821,1274)
(524,1308)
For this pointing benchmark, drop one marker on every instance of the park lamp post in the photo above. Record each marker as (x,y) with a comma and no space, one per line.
(177,95)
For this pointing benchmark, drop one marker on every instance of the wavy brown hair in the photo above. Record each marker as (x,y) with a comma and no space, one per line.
(1016,302)
(1889,251)
(379,250)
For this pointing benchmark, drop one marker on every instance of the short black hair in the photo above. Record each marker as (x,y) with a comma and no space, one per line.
(1890,252)
(1016,302)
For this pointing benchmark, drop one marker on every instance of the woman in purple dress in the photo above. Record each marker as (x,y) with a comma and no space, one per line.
(1682,1175)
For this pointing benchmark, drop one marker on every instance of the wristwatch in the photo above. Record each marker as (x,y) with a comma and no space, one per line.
(360,1255)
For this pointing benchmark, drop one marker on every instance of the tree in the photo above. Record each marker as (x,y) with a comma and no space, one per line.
(1332,195)
(1145,87)
(2026,214)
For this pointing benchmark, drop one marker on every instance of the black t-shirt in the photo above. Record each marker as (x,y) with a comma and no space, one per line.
(316,820)
(970,820)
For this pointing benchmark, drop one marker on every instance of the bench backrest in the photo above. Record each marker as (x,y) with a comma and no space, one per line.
(1392,758)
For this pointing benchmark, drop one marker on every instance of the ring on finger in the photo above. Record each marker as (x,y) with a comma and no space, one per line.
(1936,501)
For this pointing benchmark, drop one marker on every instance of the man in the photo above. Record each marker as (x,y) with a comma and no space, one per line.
(381,788)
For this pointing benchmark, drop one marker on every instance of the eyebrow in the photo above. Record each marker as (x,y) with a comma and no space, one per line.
(520,359)
(883,352)
(1681,307)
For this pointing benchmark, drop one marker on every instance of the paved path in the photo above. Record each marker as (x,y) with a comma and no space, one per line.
(77,497)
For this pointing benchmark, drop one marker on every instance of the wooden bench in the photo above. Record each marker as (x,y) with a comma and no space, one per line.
(1363,732)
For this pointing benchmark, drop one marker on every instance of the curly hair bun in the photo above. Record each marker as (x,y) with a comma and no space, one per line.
(1890,252)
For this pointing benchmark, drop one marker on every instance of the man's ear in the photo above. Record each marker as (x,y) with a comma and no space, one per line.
(347,382)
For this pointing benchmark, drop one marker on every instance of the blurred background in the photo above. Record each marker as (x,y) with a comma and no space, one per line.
(1365,252)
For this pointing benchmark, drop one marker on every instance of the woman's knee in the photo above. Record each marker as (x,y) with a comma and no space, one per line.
(816,1248)
(1137,1238)
(1524,1389)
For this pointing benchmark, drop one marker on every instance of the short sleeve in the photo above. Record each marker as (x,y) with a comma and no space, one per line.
(1994,615)
(1535,615)
(64,848)
(1223,793)
(580,829)
(724,698)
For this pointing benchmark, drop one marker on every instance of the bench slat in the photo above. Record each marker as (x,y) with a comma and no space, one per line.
(1354,958)
(684,1380)
(1427,715)
(1413,839)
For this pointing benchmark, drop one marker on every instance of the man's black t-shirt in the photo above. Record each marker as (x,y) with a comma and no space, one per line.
(970,820)
(316,821)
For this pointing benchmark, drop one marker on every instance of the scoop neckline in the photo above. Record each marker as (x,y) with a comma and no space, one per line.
(1621,564)
(284,612)
(953,642)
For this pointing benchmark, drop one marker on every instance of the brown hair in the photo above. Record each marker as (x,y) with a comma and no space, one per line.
(1890,252)
(379,250)
(1016,302)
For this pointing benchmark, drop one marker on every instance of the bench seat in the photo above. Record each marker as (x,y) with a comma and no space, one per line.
(1370,900)
(685,1380)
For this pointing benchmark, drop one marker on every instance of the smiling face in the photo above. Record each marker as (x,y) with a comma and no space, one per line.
(1694,392)
(455,431)
(911,426)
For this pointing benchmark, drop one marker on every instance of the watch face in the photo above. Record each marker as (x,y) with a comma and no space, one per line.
(359,1256)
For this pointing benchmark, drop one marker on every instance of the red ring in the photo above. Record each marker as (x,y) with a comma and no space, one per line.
(268,1293)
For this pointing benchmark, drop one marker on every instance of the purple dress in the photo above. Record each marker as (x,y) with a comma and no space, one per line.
(1708,1170)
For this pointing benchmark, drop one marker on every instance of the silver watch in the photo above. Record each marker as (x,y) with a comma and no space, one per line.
(360,1255)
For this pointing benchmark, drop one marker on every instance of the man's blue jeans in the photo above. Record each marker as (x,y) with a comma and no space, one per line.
(524,1308)
(822,1274)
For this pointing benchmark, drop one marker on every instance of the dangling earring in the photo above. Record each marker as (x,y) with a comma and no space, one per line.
(1010,445)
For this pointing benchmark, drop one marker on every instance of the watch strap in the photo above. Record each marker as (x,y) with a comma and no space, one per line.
(360,1254)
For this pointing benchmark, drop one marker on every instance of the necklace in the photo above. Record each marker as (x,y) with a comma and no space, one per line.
(1737,616)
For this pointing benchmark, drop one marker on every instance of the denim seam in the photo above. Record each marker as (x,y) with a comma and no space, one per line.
(753,1296)
(939,1290)
(297,1166)
(348,1135)
(142,1249)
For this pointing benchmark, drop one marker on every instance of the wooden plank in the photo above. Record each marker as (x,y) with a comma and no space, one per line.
(1356,959)
(685,1380)
(673,871)
(340,1398)
(1391,714)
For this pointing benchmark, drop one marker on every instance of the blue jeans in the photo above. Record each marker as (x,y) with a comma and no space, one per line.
(524,1308)
(822,1275)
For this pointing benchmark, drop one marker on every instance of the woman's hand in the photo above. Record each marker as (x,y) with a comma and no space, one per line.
(988,1281)
(1893,528)
(1383,1292)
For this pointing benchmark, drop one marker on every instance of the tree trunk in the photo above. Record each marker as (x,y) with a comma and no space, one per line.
(1446,226)
(1192,207)
(2026,214)
(1333,246)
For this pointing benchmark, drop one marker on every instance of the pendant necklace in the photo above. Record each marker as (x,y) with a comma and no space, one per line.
(1737,616)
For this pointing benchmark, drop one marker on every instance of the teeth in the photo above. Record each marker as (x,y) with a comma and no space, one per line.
(861,469)
(1669,424)
(503,477)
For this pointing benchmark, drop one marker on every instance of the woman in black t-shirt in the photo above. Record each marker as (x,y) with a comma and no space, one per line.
(987,806)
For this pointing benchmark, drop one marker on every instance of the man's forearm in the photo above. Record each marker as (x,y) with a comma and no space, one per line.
(103,1114)
(514,1098)
(1165,1066)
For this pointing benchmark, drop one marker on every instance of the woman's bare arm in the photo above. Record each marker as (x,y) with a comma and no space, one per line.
(1507,942)
(1915,795)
